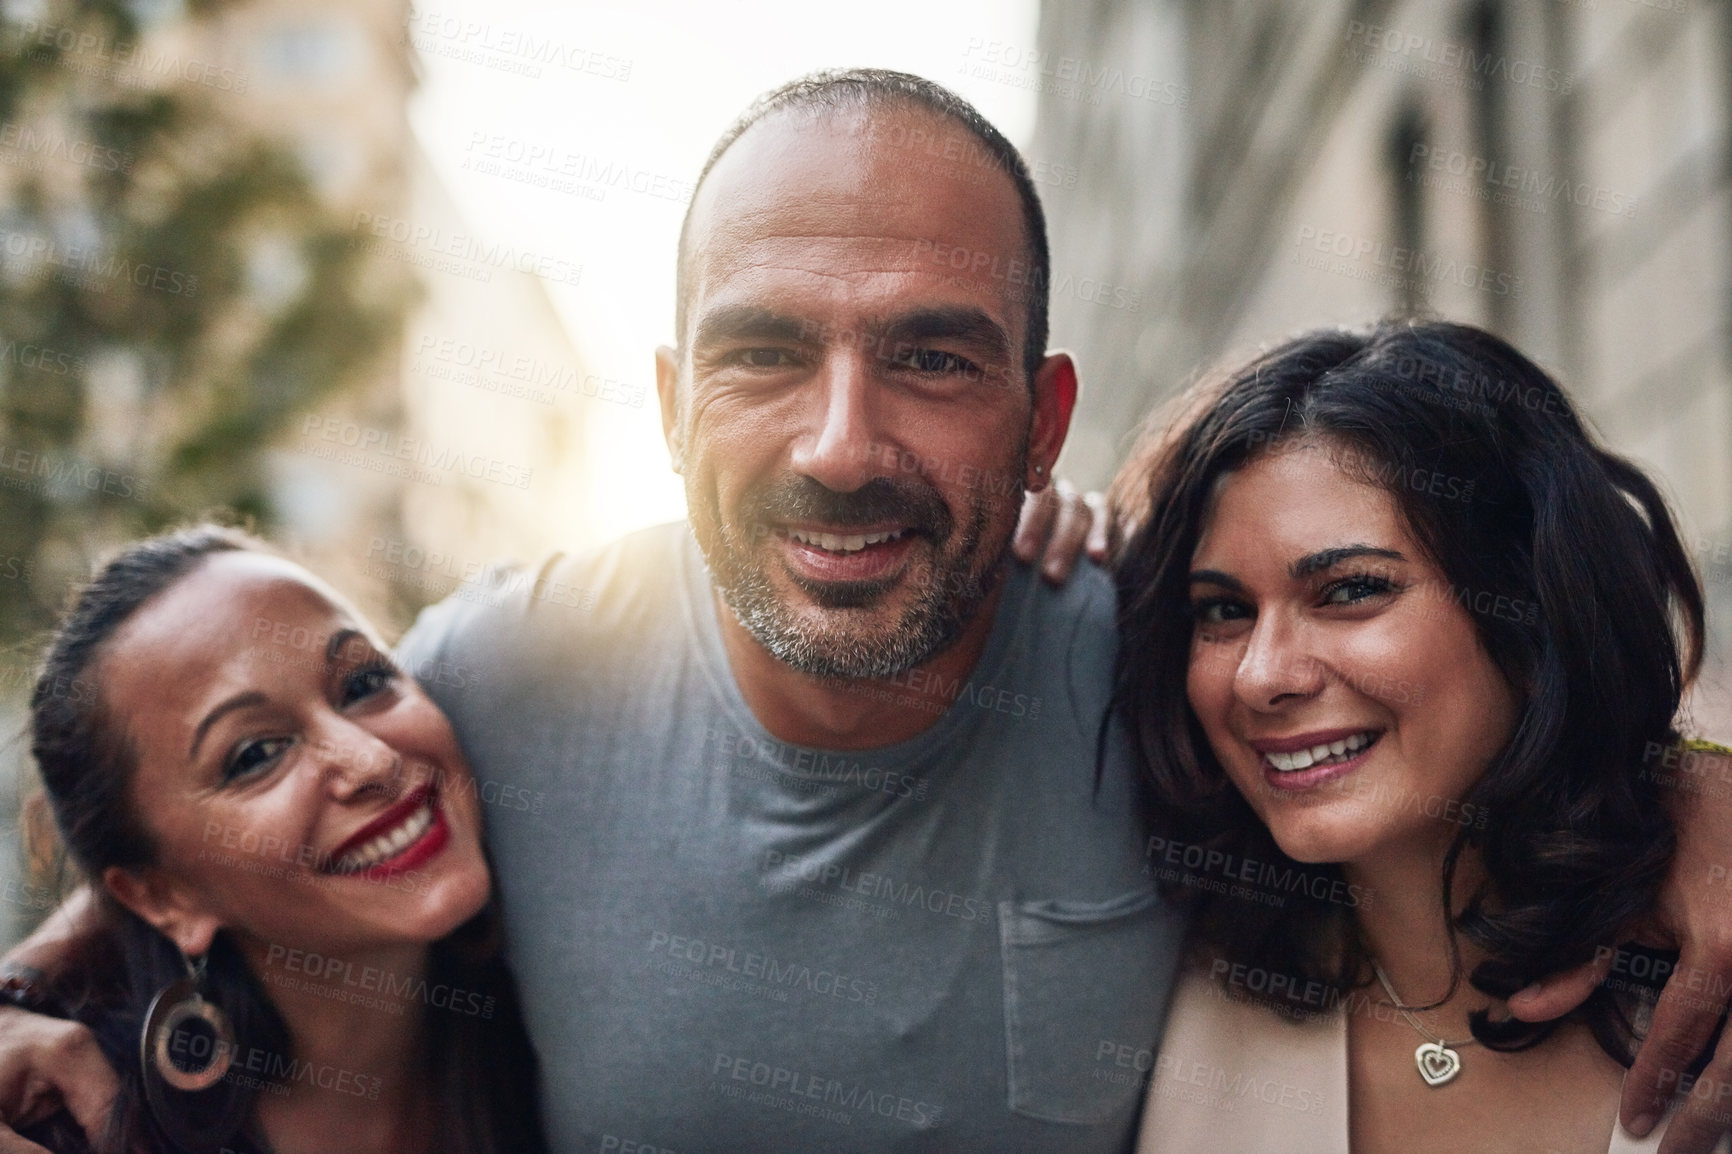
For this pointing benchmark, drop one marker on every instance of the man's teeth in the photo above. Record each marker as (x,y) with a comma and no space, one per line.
(842,543)
(1329,751)
(388,844)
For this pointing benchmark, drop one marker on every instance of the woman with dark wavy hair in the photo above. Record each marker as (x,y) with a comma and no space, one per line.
(1402,649)
(301,949)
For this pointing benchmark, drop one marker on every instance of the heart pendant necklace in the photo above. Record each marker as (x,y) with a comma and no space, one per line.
(1437,1059)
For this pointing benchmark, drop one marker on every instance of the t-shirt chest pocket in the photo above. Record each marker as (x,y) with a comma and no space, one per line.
(1085,989)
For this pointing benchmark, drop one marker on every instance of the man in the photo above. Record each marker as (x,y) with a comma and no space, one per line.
(800,829)
(821,861)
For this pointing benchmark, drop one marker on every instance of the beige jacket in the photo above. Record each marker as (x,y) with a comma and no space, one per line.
(1233,1078)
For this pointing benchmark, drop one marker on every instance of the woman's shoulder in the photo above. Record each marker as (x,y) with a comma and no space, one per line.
(1686,761)
(1242,1065)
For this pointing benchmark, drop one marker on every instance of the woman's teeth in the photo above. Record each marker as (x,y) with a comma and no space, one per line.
(388,844)
(842,543)
(1328,753)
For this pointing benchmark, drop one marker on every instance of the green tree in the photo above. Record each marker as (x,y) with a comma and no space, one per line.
(173,290)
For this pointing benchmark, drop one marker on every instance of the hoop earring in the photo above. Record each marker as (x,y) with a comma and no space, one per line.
(187,1041)
(186,1049)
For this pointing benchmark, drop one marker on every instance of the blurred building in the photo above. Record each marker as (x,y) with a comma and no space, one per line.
(1555,171)
(464,447)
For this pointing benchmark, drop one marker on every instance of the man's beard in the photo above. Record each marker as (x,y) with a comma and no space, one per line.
(963,570)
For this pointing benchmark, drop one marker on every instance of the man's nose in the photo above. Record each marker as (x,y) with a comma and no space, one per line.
(837,448)
(1276,667)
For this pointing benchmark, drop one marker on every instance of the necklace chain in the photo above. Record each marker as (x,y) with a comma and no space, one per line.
(1406,1012)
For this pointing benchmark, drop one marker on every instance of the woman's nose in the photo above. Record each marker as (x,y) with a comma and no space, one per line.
(349,759)
(1276,666)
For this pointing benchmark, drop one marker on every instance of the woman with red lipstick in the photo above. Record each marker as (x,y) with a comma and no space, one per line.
(1403,651)
(286,840)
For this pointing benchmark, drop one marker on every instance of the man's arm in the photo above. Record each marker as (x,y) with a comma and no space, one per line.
(49,1063)
(1695,916)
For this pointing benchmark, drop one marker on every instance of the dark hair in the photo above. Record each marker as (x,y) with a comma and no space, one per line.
(484,1071)
(1507,493)
(831,90)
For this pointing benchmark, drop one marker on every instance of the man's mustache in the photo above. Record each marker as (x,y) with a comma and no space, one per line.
(907,502)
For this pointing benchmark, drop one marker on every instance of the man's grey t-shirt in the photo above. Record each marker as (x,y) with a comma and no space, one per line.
(729,943)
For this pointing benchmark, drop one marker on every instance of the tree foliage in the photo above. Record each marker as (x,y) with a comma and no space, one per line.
(173,288)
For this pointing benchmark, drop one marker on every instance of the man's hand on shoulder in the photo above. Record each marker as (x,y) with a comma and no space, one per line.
(1057,526)
(48,1064)
(1695,917)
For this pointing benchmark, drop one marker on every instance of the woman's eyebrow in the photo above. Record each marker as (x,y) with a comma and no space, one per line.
(238,701)
(334,647)
(1329,558)
(1215,577)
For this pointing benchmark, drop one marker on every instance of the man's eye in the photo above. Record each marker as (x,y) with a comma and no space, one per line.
(255,756)
(933,361)
(364,683)
(1220,611)
(763,358)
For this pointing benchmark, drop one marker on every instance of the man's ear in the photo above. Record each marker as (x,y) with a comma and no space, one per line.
(165,904)
(1055,390)
(668,392)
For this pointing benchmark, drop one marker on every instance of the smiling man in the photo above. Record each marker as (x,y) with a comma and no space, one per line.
(821,861)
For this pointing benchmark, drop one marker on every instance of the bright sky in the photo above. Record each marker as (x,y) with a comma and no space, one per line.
(693,66)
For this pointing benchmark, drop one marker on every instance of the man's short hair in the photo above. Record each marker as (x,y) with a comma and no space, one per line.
(862,88)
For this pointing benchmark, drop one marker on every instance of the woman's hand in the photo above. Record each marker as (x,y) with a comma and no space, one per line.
(1057,525)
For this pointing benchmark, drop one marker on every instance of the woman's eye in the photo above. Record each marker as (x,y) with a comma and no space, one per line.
(933,361)
(1219,611)
(254,756)
(1352,590)
(364,683)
